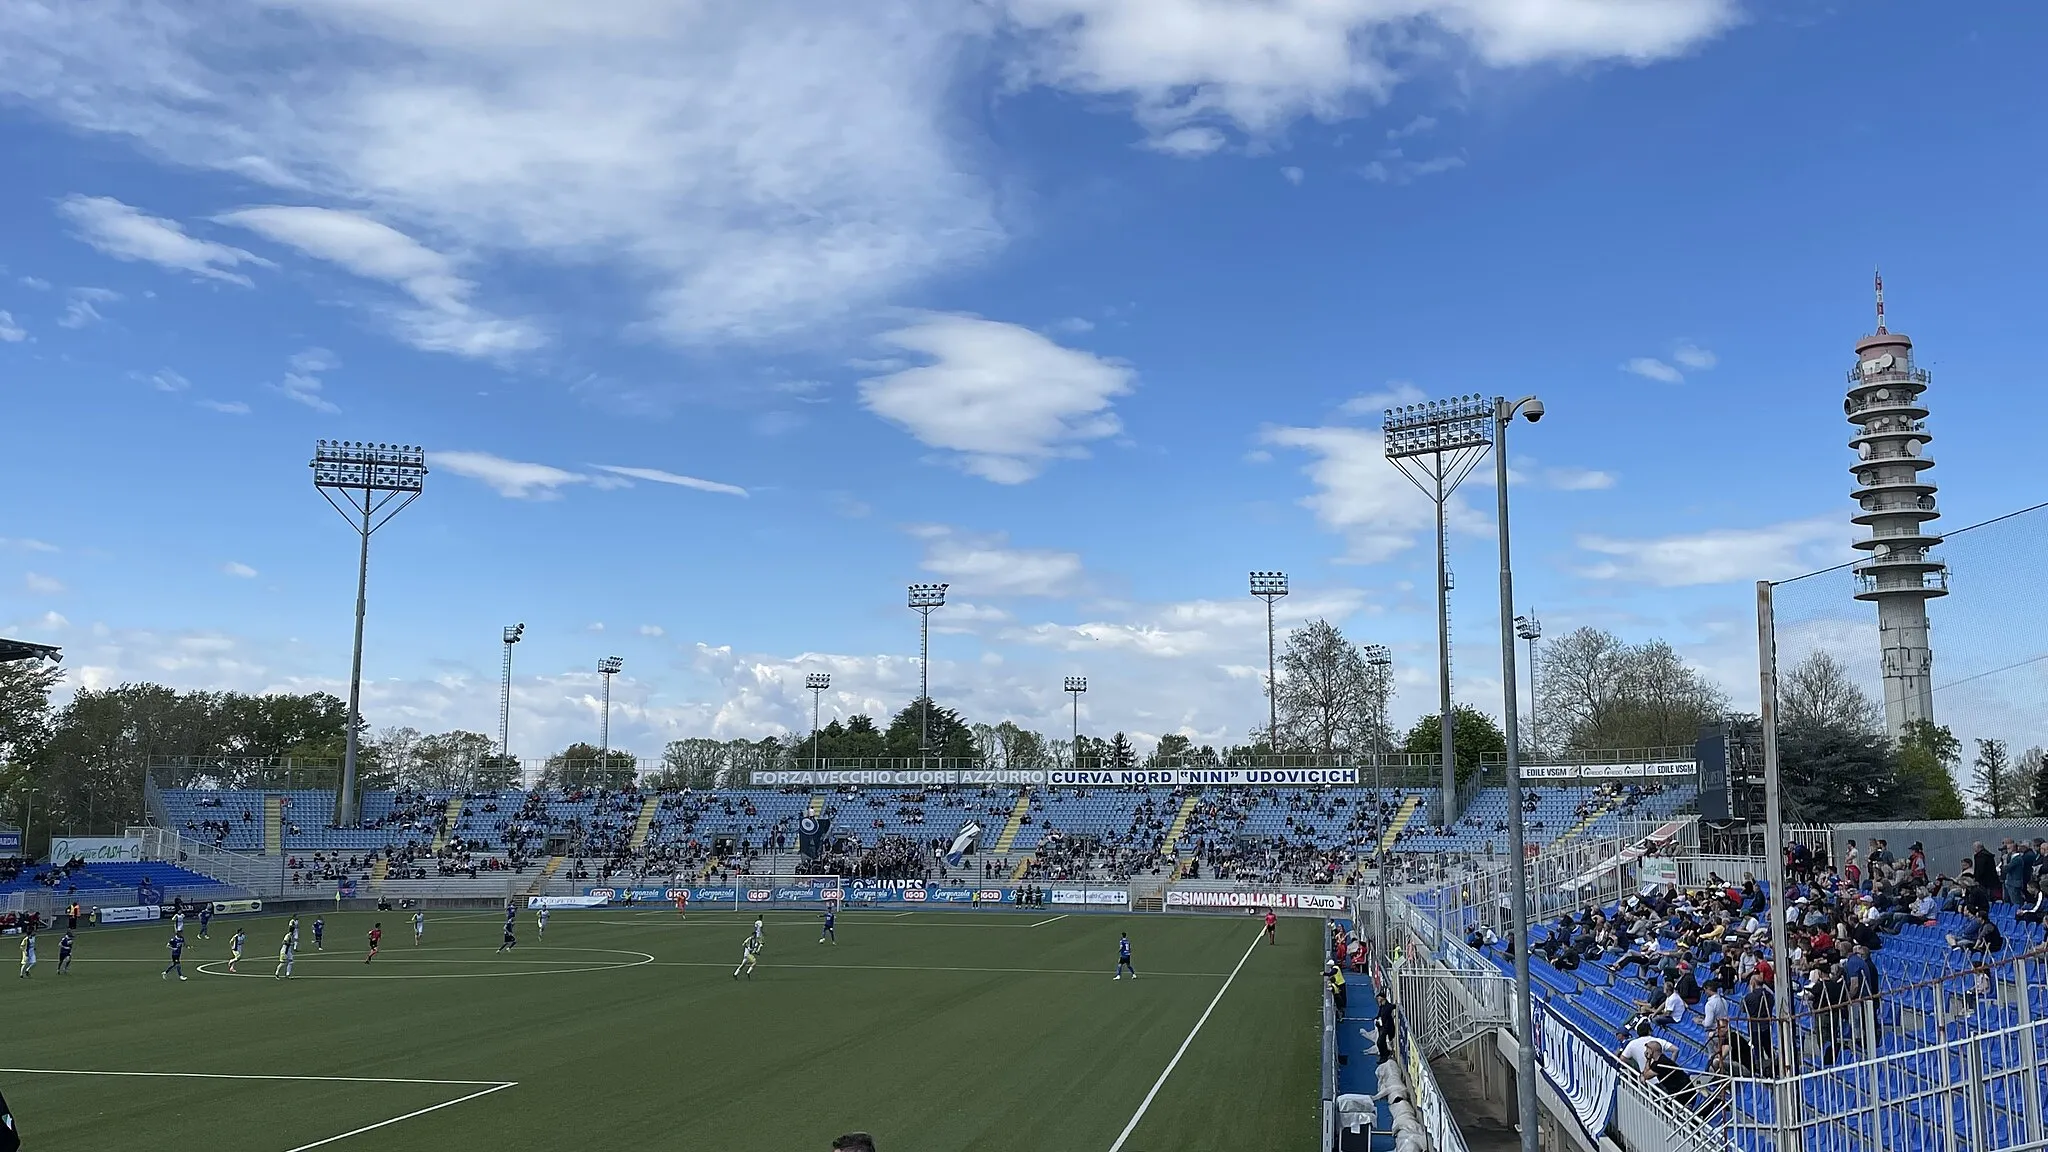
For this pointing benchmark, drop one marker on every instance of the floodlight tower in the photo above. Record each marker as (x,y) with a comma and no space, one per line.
(1380,659)
(1531,629)
(1075,686)
(817,683)
(1897,501)
(924,600)
(513,632)
(1270,586)
(608,668)
(368,484)
(1436,445)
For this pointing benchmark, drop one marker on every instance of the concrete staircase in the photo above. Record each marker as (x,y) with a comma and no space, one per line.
(1017,873)
(646,822)
(1606,805)
(817,807)
(547,873)
(1016,823)
(1399,823)
(273,826)
(379,868)
(448,820)
(1179,825)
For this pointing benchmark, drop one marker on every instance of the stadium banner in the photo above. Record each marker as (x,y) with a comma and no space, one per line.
(133,915)
(1635,770)
(943,777)
(536,902)
(1307,901)
(95,849)
(345,889)
(10,843)
(1100,778)
(232,907)
(1118,897)
(1583,1072)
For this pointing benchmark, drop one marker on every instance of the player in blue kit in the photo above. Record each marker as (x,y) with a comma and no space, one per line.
(319,930)
(64,955)
(177,964)
(830,931)
(1123,956)
(205,918)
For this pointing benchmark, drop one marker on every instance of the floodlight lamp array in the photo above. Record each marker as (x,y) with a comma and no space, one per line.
(1269,583)
(818,681)
(1077,683)
(1377,655)
(1452,425)
(928,595)
(1528,627)
(514,632)
(360,464)
(610,665)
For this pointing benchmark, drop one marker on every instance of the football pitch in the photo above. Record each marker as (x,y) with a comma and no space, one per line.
(935,1032)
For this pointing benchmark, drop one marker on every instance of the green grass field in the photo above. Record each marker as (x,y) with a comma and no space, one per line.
(937,1032)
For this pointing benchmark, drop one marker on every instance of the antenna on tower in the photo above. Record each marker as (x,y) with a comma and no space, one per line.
(1880,301)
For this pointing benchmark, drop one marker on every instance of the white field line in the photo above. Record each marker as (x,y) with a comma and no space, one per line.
(930,968)
(1171,1064)
(407,1116)
(488,1087)
(1042,923)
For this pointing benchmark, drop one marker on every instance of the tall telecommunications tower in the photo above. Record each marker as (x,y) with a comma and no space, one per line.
(1897,501)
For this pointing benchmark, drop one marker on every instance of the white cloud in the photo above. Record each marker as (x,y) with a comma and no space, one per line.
(35,282)
(238,569)
(43,585)
(985,565)
(1260,66)
(27,545)
(1006,400)
(225,407)
(1360,495)
(594,626)
(165,380)
(1415,127)
(657,476)
(1574,479)
(516,479)
(653,630)
(1393,168)
(1721,555)
(1651,368)
(1194,140)
(1292,175)
(127,233)
(81,307)
(1073,325)
(444,321)
(10,332)
(302,382)
(1694,357)
(1374,404)
(756,168)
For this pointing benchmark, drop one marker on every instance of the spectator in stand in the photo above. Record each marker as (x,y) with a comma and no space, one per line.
(1979,936)
(2031,906)
(1665,1073)
(1984,868)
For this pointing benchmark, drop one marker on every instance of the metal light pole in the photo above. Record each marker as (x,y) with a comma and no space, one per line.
(512,634)
(924,600)
(1380,659)
(1436,445)
(368,484)
(1270,586)
(1074,687)
(1786,1030)
(1531,629)
(608,668)
(817,682)
(1504,413)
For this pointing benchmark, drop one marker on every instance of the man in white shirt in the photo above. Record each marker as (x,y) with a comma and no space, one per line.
(1638,1053)
(1715,1010)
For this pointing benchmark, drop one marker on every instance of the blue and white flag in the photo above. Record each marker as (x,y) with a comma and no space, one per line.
(963,842)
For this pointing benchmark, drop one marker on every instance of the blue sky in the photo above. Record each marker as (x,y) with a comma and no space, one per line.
(722,323)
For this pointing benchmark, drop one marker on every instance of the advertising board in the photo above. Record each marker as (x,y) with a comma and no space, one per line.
(1099,778)
(134,915)
(1307,901)
(565,902)
(95,849)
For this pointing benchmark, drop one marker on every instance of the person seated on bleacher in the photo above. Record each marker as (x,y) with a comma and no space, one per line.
(1980,936)
(2031,912)
(1645,955)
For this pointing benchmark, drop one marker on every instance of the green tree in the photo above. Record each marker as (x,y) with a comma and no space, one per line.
(582,765)
(1835,774)
(25,720)
(949,735)
(1327,694)
(1473,735)
(1927,757)
(1121,754)
(1598,693)
(1992,784)
(2033,768)
(456,759)
(1172,749)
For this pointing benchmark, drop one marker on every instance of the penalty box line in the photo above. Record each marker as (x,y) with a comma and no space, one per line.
(484,1088)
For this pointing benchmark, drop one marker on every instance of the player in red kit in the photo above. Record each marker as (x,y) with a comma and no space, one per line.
(376,938)
(1271,920)
(682,902)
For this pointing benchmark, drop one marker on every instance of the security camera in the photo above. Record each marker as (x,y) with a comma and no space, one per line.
(1533,410)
